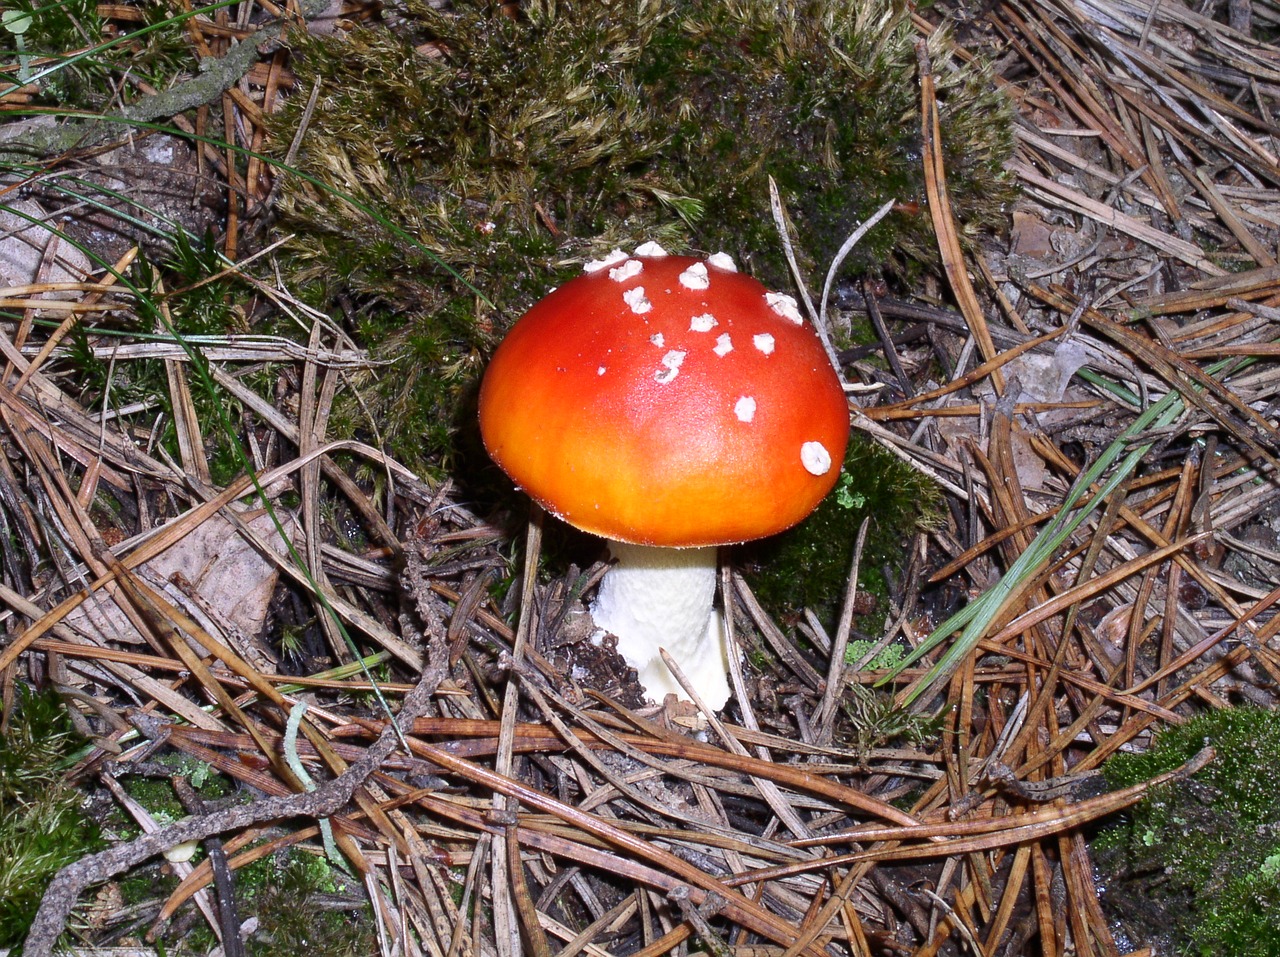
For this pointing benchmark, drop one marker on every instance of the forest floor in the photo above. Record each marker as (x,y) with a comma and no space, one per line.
(1088,390)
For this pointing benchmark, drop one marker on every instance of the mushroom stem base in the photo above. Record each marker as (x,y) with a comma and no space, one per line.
(664,598)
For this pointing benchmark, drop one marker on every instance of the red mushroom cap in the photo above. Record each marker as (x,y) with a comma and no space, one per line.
(664,400)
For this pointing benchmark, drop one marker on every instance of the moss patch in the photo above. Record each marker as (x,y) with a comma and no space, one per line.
(511,149)
(1199,860)
(299,905)
(808,566)
(41,825)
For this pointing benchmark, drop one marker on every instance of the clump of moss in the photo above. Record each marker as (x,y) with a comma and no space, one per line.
(887,657)
(157,795)
(300,909)
(874,721)
(1199,860)
(808,566)
(42,827)
(509,149)
(60,31)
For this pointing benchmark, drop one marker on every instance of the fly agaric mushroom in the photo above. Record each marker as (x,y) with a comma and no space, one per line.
(670,405)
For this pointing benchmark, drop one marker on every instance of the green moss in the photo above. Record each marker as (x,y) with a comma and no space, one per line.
(874,721)
(209,783)
(1200,859)
(157,797)
(512,149)
(41,826)
(291,894)
(808,566)
(156,794)
(149,882)
(62,28)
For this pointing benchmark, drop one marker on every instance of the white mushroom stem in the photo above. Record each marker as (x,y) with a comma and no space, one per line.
(664,598)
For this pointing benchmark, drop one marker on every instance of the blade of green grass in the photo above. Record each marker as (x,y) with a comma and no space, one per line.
(974,620)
